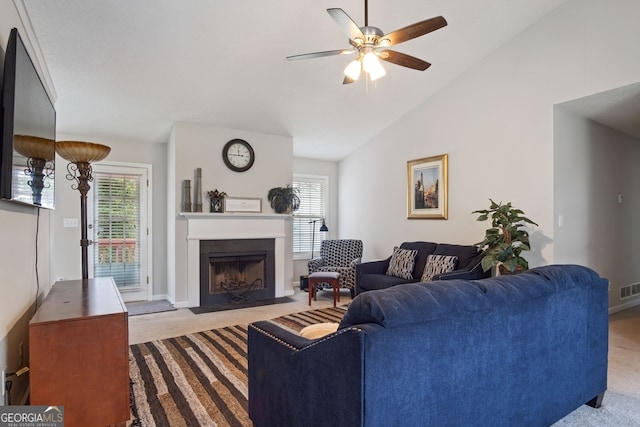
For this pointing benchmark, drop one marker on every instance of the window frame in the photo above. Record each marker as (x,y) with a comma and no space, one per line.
(319,236)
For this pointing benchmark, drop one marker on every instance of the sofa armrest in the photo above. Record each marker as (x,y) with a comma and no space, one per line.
(471,273)
(371,267)
(288,385)
(315,264)
(374,267)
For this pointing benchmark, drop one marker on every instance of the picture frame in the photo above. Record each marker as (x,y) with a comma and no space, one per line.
(427,188)
(243,204)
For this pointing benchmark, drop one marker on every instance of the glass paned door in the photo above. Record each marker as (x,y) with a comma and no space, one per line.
(118,228)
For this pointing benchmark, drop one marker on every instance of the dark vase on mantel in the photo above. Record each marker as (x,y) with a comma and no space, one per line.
(216,205)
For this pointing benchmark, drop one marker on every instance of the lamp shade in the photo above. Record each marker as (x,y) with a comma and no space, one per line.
(323,227)
(353,69)
(34,147)
(82,152)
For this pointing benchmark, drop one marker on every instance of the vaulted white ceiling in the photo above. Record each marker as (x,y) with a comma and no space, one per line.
(129,69)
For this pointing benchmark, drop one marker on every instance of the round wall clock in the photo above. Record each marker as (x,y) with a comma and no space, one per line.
(238,155)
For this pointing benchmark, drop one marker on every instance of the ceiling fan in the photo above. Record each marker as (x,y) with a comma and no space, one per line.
(371,44)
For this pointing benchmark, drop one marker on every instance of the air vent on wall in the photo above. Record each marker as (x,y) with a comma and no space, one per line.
(629,290)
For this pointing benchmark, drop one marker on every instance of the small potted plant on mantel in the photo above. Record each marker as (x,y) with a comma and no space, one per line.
(505,241)
(216,200)
(284,199)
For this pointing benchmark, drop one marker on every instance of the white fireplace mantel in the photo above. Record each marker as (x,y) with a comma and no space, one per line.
(218,226)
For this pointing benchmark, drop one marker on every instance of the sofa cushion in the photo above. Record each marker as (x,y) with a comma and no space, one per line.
(402,263)
(319,330)
(464,253)
(372,282)
(438,264)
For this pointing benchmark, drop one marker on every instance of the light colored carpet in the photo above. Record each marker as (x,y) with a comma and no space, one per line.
(617,410)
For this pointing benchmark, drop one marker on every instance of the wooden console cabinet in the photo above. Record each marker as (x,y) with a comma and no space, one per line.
(79,353)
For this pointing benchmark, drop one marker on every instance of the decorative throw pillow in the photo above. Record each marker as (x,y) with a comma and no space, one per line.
(438,264)
(319,330)
(402,262)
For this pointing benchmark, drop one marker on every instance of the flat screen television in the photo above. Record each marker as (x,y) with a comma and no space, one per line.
(28,126)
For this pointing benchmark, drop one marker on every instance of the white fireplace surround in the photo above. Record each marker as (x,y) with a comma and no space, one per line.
(217,226)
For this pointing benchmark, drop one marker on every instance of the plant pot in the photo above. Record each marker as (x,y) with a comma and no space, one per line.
(504,272)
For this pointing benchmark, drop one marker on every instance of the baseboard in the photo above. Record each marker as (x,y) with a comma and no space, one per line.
(624,306)
(181,304)
(159,297)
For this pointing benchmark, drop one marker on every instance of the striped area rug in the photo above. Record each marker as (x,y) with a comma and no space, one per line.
(201,379)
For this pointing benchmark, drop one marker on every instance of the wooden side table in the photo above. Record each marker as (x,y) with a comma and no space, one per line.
(79,353)
(324,277)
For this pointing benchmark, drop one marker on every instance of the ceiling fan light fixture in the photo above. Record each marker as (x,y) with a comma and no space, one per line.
(372,66)
(353,69)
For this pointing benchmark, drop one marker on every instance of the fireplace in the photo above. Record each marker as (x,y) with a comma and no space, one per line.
(202,226)
(236,271)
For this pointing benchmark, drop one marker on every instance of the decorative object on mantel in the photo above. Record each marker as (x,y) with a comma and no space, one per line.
(216,200)
(243,204)
(186,196)
(81,155)
(197,191)
(284,199)
(505,240)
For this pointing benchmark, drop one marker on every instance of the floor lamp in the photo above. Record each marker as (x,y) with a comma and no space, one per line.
(40,154)
(323,228)
(81,155)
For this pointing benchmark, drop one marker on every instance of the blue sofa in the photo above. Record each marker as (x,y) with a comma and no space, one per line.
(521,350)
(372,275)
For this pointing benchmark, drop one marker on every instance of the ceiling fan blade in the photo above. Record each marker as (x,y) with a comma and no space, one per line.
(320,54)
(404,60)
(347,25)
(412,31)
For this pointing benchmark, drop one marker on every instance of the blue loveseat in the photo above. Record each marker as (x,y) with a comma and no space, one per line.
(521,350)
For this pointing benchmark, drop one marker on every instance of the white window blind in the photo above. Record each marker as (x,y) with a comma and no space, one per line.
(313,207)
(117,227)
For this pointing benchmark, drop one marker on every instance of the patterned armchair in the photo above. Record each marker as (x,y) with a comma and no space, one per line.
(340,256)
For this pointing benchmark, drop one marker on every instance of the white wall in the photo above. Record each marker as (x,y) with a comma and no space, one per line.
(593,164)
(496,124)
(66,257)
(200,146)
(18,225)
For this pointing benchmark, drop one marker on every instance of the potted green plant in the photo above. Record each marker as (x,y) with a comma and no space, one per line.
(284,199)
(505,241)
(216,200)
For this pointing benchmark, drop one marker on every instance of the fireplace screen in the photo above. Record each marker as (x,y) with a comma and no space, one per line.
(236,271)
(236,276)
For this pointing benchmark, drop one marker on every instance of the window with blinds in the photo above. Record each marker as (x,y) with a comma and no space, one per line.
(312,191)
(116,227)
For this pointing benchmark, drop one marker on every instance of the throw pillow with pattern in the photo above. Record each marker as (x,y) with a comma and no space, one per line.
(438,264)
(401,264)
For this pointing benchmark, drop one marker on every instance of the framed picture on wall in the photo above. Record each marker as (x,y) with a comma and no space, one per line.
(427,188)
